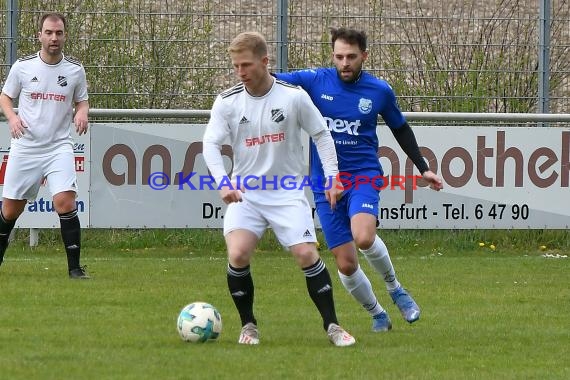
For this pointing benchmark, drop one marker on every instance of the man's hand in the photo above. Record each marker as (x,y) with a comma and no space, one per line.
(230,194)
(334,190)
(434,181)
(81,123)
(17,127)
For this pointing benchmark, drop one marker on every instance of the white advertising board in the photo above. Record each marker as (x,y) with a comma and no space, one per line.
(494,177)
(126,156)
(514,177)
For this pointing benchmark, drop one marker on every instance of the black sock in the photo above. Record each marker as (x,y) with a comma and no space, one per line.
(320,289)
(6,227)
(240,285)
(71,235)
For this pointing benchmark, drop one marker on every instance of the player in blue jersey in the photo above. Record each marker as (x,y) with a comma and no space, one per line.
(350,100)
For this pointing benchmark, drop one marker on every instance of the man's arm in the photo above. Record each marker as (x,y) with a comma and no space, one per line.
(313,123)
(211,151)
(16,125)
(301,78)
(7,105)
(216,133)
(213,158)
(81,118)
(407,141)
(214,136)
(327,153)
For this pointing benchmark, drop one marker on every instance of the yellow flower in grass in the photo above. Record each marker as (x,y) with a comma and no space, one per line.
(542,248)
(481,244)
(492,246)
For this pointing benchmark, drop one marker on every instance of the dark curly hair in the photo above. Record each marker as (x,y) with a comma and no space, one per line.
(350,36)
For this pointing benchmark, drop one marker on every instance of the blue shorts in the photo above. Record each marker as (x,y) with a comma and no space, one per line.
(336,223)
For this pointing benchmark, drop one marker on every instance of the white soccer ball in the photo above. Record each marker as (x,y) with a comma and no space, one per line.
(199,322)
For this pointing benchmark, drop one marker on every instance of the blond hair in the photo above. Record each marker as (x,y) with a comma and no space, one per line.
(249,41)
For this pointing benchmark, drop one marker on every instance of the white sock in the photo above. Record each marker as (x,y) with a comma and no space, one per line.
(377,255)
(358,285)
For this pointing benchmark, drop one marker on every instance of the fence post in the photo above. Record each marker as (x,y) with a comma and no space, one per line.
(12,31)
(34,237)
(282,30)
(544,59)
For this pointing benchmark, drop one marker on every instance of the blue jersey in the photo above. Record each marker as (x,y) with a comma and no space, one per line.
(351,111)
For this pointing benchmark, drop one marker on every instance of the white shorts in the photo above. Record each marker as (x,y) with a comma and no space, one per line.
(25,174)
(291,222)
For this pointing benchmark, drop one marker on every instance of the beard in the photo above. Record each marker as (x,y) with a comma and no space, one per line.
(355,74)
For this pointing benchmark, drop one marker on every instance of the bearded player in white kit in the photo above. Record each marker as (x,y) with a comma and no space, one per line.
(262,119)
(48,86)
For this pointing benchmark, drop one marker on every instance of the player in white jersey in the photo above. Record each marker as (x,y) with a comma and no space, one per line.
(48,86)
(262,119)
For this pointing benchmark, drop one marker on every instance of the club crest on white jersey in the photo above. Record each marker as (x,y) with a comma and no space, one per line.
(277,115)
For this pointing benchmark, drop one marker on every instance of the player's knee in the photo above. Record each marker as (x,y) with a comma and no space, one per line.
(305,254)
(347,267)
(11,214)
(238,258)
(364,240)
(11,210)
(347,264)
(64,202)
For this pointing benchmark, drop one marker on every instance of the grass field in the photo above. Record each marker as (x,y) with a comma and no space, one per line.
(486,313)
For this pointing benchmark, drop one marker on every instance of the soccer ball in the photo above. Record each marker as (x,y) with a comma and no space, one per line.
(199,322)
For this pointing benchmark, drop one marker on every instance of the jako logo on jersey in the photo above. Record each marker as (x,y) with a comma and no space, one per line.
(327,97)
(367,205)
(277,115)
(343,126)
(62,81)
(271,138)
(47,96)
(365,105)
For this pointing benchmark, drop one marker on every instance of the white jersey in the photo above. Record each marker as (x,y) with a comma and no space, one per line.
(46,96)
(264,132)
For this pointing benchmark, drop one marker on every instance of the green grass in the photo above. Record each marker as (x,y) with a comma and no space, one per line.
(486,314)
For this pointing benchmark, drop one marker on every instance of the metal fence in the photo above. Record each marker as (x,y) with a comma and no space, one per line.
(454,56)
